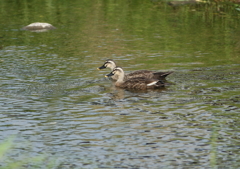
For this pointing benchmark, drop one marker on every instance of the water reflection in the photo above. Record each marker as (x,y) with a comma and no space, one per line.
(183,2)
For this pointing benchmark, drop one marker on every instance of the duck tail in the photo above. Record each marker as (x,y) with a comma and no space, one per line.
(161,75)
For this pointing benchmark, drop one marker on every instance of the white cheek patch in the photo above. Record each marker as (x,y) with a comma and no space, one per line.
(153,83)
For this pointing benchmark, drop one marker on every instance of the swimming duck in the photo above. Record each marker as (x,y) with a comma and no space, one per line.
(140,73)
(138,83)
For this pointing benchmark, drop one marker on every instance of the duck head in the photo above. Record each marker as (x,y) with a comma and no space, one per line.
(117,71)
(108,64)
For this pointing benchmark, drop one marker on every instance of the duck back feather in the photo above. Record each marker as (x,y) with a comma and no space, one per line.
(148,74)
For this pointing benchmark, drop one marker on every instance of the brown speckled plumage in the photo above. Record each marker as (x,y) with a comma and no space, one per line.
(138,83)
(136,74)
(148,74)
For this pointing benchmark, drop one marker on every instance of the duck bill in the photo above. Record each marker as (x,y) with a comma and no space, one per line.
(102,67)
(109,75)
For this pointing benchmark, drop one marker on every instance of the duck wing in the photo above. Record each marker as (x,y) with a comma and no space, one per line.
(141,83)
(148,74)
(140,73)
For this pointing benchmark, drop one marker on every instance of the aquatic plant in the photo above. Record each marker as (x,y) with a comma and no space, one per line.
(7,162)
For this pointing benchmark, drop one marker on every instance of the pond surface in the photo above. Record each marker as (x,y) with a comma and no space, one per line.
(55,102)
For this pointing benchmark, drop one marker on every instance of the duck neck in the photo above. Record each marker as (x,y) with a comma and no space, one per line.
(121,77)
(112,66)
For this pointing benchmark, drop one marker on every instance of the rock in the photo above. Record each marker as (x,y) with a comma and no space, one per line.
(39,27)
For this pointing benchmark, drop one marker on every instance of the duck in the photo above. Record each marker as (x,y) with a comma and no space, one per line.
(109,63)
(137,83)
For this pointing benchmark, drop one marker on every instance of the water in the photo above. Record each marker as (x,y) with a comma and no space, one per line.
(55,102)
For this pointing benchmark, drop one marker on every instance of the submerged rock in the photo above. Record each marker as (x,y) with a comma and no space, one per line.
(178,3)
(39,27)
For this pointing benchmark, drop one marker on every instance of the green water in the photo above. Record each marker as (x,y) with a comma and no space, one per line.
(55,102)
